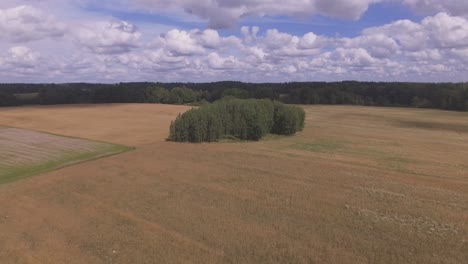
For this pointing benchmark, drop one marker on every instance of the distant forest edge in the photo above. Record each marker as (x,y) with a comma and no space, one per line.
(449,96)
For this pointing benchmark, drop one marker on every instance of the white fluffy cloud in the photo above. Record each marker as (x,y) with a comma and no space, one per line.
(441,31)
(217,62)
(23,64)
(108,37)
(195,42)
(110,50)
(178,42)
(378,45)
(396,50)
(22,57)
(279,45)
(26,23)
(445,31)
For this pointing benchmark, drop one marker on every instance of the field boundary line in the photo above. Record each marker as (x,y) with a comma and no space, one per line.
(66,136)
(109,150)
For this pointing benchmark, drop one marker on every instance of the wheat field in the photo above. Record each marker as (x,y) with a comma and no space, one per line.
(358,185)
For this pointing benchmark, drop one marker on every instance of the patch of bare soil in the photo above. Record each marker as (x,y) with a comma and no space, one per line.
(19,147)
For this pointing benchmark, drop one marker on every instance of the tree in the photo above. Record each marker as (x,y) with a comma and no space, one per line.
(183,95)
(236,93)
(157,95)
(248,119)
(450,96)
(7,99)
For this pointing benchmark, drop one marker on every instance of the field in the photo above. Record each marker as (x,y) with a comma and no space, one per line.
(358,185)
(24,153)
(131,125)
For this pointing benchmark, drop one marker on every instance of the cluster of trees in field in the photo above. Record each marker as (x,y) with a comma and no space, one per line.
(450,96)
(248,119)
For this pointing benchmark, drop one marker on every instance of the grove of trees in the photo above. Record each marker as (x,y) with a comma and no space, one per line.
(246,119)
(449,96)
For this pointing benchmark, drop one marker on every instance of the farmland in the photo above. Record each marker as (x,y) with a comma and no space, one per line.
(24,153)
(129,124)
(358,185)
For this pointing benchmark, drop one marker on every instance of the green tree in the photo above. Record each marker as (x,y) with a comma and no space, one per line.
(183,95)
(157,95)
(236,93)
(249,119)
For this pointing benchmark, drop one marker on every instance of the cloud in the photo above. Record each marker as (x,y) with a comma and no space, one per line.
(108,37)
(445,31)
(441,31)
(179,42)
(403,49)
(21,57)
(309,41)
(453,7)
(353,57)
(225,13)
(217,62)
(106,49)
(279,45)
(378,45)
(23,64)
(409,35)
(249,33)
(26,23)
(195,42)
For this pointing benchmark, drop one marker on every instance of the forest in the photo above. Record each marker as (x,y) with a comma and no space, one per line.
(246,119)
(449,96)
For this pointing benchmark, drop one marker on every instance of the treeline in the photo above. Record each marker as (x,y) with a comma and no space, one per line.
(83,94)
(450,96)
(249,119)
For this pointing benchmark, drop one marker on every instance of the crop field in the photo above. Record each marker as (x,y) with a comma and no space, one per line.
(24,153)
(358,185)
(130,124)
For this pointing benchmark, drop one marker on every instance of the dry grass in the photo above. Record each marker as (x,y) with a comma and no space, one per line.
(125,124)
(354,187)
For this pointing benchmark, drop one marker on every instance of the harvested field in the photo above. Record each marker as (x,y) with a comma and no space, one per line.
(24,153)
(358,185)
(125,124)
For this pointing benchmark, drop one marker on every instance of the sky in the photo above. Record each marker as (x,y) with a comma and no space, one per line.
(110,41)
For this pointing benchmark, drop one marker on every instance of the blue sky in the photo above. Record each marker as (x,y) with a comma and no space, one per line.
(212,40)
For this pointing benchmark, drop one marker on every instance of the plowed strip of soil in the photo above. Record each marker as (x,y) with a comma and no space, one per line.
(24,153)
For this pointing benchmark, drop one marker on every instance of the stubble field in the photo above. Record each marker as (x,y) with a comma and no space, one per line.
(24,153)
(358,185)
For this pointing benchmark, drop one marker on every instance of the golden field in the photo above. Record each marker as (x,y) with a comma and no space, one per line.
(358,185)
